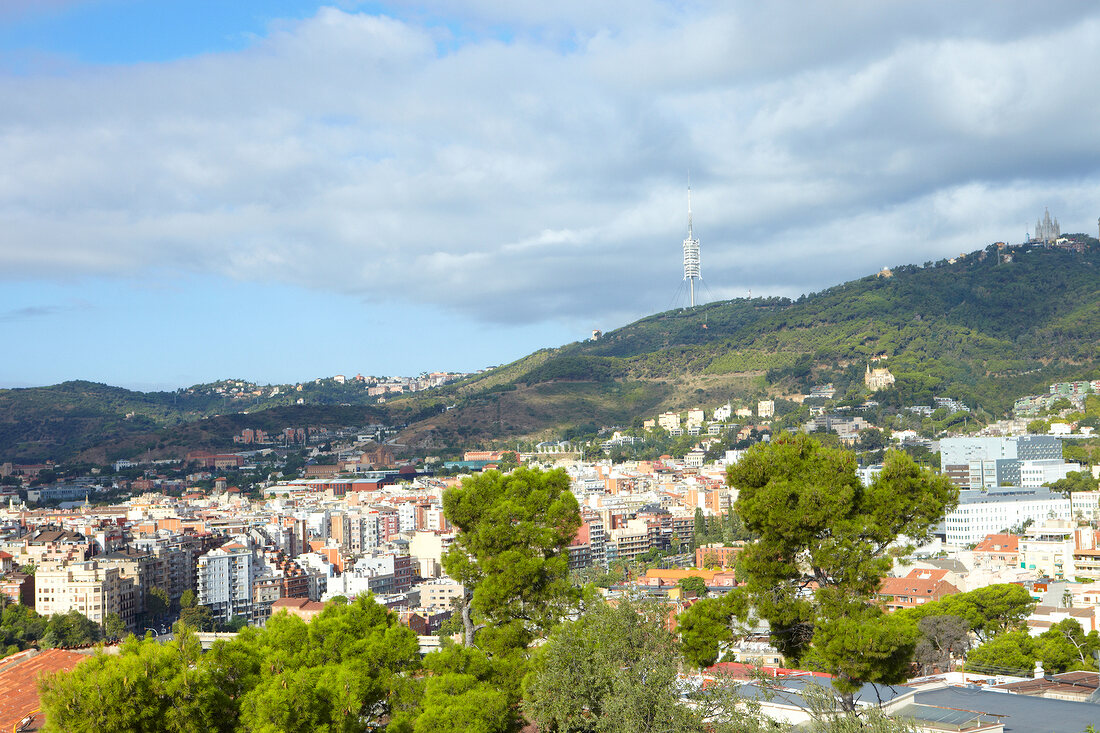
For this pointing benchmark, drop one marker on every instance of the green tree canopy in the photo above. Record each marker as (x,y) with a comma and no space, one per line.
(510,550)
(336,673)
(147,688)
(693,586)
(614,669)
(70,629)
(1012,652)
(989,610)
(114,627)
(1076,481)
(462,691)
(20,626)
(707,624)
(819,527)
(156,604)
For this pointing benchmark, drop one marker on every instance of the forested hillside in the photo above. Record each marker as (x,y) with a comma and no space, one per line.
(985,328)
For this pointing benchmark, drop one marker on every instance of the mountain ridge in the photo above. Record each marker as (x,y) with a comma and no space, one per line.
(982,328)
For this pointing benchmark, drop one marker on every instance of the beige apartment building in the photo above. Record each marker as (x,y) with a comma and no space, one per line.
(94,590)
(669,420)
(440,593)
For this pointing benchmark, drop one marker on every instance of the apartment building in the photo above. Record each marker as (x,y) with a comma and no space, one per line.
(225,578)
(88,587)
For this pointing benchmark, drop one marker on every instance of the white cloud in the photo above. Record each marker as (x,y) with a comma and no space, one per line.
(539,174)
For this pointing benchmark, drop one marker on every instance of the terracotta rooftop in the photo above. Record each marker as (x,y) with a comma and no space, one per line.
(916,586)
(999,543)
(680,573)
(302,603)
(18,684)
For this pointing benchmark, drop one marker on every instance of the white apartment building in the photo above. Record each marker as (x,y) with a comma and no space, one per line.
(1085,505)
(224,580)
(87,587)
(979,514)
(406,516)
(1047,548)
(723,413)
(765,408)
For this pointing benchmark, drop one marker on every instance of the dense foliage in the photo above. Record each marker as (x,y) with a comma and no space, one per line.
(819,527)
(22,627)
(510,552)
(337,673)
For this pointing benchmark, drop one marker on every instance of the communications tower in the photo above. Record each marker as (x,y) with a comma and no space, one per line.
(691,255)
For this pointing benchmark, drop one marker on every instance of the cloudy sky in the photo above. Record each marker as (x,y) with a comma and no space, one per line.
(278,190)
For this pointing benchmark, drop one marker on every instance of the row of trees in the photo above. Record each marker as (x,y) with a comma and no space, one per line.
(22,627)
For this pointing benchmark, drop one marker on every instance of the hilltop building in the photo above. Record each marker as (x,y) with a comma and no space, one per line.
(1046,229)
(878,378)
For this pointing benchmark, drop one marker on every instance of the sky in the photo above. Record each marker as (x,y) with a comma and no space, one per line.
(279,190)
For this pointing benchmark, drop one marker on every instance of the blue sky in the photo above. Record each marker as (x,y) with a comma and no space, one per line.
(283,190)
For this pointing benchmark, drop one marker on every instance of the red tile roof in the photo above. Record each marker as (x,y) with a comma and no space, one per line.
(18,683)
(1008,543)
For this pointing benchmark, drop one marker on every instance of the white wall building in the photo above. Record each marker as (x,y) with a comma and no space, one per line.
(1034,474)
(695,417)
(224,581)
(979,514)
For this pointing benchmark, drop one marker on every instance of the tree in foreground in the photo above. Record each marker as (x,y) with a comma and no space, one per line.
(708,624)
(613,669)
(336,673)
(510,550)
(460,692)
(146,687)
(819,557)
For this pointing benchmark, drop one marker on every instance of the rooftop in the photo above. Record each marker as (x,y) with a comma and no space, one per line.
(18,683)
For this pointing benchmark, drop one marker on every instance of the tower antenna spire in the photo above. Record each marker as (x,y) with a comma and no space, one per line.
(689,210)
(691,254)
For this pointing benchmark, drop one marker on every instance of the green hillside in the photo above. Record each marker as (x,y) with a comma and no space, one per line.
(985,329)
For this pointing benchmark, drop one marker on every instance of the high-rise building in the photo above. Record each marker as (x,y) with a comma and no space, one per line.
(225,578)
